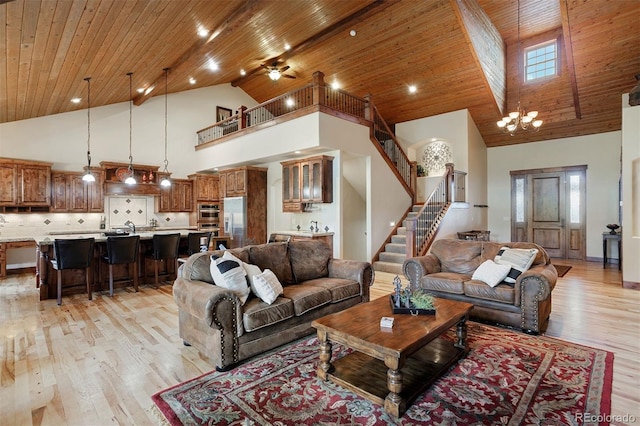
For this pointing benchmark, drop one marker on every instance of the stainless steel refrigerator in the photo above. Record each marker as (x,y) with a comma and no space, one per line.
(235,220)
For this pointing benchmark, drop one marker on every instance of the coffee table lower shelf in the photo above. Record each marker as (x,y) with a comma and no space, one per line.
(367,376)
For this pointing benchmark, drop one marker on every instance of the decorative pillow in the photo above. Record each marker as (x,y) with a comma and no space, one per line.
(249,269)
(229,273)
(519,259)
(491,273)
(267,286)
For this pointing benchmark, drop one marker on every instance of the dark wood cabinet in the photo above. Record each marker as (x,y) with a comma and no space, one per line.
(176,198)
(205,187)
(251,183)
(307,180)
(69,193)
(24,185)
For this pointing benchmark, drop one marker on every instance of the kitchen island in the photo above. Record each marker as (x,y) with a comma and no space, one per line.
(74,280)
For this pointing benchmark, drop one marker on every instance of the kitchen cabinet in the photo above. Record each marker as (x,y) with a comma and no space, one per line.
(24,185)
(206,187)
(176,198)
(249,182)
(69,193)
(305,181)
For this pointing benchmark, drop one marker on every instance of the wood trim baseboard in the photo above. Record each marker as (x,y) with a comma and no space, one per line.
(631,284)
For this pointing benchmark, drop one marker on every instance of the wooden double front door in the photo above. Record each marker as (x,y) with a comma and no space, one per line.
(548,208)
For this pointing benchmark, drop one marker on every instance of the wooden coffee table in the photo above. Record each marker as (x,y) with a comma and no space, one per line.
(391,367)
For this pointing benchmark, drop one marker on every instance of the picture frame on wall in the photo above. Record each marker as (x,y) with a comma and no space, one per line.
(222,113)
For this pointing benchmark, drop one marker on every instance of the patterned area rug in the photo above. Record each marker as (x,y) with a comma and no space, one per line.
(507,378)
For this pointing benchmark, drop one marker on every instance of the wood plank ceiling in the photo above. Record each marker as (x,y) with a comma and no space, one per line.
(48,47)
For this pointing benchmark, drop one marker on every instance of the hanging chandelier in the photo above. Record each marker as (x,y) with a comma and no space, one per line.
(130,180)
(519,119)
(88,177)
(165,179)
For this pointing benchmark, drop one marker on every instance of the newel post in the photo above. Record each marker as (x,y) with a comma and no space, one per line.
(242,119)
(450,182)
(318,88)
(412,224)
(368,110)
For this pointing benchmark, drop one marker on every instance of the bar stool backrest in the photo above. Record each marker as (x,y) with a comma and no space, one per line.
(194,240)
(73,253)
(123,249)
(165,246)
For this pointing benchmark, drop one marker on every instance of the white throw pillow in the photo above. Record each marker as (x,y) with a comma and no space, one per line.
(229,273)
(519,259)
(267,286)
(249,269)
(491,273)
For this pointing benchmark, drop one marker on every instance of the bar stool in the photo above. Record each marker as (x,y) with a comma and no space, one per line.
(165,246)
(73,254)
(122,250)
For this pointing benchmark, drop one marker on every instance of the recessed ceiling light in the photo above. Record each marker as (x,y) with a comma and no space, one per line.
(352,33)
(192,80)
(335,85)
(243,72)
(290,102)
(287,46)
(203,32)
(76,100)
(141,89)
(413,89)
(297,152)
(212,65)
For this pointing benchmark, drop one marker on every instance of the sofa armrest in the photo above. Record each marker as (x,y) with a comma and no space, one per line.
(218,307)
(417,267)
(362,272)
(537,282)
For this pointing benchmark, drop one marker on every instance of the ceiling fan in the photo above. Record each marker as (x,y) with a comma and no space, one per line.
(275,73)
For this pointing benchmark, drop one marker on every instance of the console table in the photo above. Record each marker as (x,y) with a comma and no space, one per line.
(606,237)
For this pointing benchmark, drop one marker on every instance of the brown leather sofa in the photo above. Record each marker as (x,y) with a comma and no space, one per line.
(213,320)
(447,269)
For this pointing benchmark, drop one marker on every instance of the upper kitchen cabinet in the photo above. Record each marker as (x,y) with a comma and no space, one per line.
(237,182)
(176,198)
(147,178)
(69,193)
(206,187)
(24,185)
(305,181)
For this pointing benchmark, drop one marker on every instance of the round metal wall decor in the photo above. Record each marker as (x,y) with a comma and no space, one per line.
(435,156)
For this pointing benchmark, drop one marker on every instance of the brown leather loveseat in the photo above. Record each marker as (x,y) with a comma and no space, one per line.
(447,270)
(213,319)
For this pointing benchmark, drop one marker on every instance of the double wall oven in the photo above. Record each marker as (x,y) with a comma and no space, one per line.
(209,218)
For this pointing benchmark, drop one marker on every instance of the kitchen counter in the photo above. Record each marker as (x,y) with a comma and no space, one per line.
(74,280)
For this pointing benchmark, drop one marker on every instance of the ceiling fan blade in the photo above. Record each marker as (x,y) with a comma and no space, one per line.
(283,69)
(288,76)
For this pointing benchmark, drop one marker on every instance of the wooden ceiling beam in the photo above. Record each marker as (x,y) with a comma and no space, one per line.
(231,23)
(362,14)
(568,50)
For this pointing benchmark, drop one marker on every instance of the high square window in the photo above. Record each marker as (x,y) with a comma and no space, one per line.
(541,61)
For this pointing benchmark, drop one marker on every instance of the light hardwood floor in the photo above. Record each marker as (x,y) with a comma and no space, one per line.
(98,362)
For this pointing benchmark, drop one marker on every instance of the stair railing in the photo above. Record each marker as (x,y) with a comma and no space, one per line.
(391,151)
(422,229)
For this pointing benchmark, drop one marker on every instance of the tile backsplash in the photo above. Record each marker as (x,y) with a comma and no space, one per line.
(139,209)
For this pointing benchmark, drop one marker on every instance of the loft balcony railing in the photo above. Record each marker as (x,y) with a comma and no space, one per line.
(312,98)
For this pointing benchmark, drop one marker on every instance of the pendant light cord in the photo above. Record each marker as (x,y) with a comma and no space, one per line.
(130,74)
(88,80)
(166,162)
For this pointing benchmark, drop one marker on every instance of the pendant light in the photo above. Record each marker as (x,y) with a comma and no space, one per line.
(88,177)
(519,118)
(165,179)
(130,180)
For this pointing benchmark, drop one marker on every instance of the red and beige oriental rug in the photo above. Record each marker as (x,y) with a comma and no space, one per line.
(507,378)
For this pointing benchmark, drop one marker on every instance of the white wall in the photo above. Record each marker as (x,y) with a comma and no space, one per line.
(469,155)
(62,138)
(630,193)
(601,154)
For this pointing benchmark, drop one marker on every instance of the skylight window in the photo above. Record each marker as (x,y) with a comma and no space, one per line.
(541,61)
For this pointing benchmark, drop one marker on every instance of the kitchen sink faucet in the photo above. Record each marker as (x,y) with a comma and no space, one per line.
(131,225)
